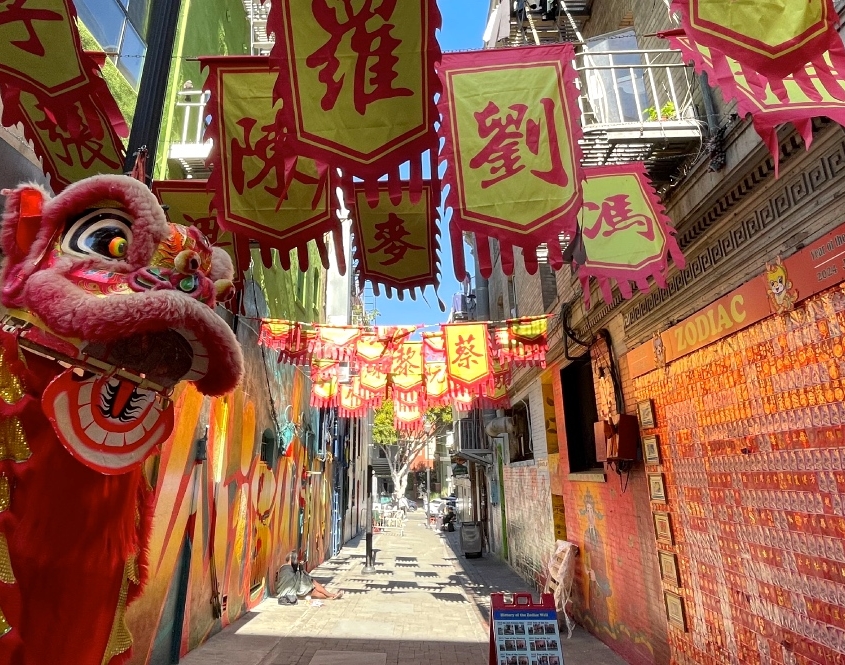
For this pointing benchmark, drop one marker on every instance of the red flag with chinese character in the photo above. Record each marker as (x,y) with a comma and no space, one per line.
(497,396)
(281,202)
(350,402)
(775,39)
(373,380)
(289,338)
(406,371)
(334,342)
(468,357)
(357,82)
(396,241)
(188,202)
(324,383)
(523,341)
(514,170)
(625,234)
(408,414)
(816,89)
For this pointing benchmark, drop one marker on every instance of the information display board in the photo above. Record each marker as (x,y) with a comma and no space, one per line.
(523,632)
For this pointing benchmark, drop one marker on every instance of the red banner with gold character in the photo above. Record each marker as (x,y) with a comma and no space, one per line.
(396,241)
(283,203)
(408,415)
(523,341)
(334,342)
(357,82)
(350,402)
(816,89)
(324,383)
(625,234)
(468,357)
(514,170)
(406,372)
(775,39)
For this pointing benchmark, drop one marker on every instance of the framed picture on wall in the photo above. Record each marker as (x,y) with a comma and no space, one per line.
(656,488)
(646,411)
(675,610)
(663,528)
(669,568)
(651,451)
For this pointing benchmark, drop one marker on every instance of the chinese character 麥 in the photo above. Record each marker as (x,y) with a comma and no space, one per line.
(391,236)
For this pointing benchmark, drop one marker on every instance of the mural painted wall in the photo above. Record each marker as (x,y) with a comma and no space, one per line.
(617,592)
(226,512)
(750,434)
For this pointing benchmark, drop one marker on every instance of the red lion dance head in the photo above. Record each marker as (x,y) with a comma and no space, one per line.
(107,307)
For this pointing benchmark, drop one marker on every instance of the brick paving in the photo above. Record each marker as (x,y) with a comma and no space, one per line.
(424,605)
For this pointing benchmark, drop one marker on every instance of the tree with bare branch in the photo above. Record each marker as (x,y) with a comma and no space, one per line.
(402,448)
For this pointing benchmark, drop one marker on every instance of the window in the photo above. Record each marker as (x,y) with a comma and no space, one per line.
(514,313)
(615,81)
(520,444)
(120,28)
(580,414)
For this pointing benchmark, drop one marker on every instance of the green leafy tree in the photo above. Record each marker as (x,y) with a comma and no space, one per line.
(402,448)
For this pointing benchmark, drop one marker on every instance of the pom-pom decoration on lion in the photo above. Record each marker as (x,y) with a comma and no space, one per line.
(108,307)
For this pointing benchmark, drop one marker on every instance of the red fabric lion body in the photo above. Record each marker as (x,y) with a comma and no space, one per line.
(98,279)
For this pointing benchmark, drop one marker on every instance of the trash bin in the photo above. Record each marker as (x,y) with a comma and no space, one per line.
(471,539)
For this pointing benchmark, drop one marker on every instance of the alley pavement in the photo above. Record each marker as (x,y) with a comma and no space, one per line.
(425,605)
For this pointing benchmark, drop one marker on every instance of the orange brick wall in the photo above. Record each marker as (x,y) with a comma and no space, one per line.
(751,440)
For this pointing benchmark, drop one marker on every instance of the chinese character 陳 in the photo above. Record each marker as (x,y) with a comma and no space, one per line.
(615,213)
(391,236)
(507,136)
(374,49)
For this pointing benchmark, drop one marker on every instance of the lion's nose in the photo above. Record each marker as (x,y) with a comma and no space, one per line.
(187,262)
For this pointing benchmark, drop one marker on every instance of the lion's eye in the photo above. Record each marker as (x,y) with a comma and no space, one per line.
(102,232)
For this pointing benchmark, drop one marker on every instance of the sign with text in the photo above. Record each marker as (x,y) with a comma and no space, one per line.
(815,268)
(523,632)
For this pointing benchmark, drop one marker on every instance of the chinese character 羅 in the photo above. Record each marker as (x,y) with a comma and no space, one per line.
(507,136)
(375,59)
(615,213)
(391,236)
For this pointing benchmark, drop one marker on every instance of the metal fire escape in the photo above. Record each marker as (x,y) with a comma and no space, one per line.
(190,153)
(635,104)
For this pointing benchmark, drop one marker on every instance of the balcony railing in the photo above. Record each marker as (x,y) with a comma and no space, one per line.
(470,435)
(191,151)
(638,105)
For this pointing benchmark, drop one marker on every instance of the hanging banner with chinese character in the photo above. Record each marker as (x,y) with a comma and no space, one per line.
(56,91)
(188,202)
(371,349)
(408,415)
(468,357)
(512,151)
(396,242)
(625,234)
(497,396)
(437,384)
(817,89)
(281,202)
(523,342)
(288,338)
(357,82)
(406,372)
(373,380)
(324,383)
(82,144)
(350,403)
(775,39)
(334,342)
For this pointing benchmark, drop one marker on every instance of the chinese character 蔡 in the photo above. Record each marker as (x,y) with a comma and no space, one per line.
(514,140)
(374,48)
(391,236)
(615,215)
(14,11)
(465,353)
(405,361)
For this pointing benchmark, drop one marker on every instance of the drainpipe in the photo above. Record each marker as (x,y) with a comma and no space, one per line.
(146,125)
(709,106)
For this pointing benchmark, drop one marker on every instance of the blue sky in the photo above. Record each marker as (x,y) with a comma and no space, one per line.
(463,26)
